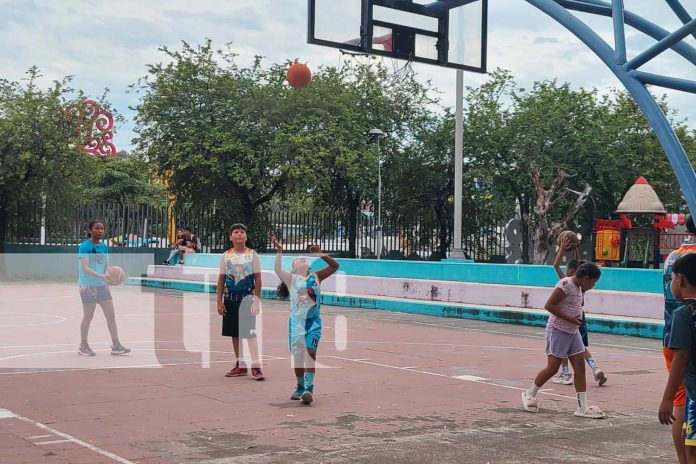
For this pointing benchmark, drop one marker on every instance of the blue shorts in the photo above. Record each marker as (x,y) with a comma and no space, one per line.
(304,333)
(94,293)
(690,423)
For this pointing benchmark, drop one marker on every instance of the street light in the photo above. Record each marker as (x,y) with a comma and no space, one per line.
(378,134)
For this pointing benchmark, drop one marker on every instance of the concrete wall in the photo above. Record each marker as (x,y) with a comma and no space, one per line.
(616,279)
(24,262)
(632,304)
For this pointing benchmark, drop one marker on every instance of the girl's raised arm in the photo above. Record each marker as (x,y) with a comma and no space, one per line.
(329,270)
(285,277)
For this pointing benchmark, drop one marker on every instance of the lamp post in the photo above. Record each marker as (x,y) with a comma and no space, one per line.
(378,134)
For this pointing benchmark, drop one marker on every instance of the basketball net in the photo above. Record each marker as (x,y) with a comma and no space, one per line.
(400,72)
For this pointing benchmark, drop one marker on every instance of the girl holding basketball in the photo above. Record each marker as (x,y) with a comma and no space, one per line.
(94,280)
(564,377)
(304,327)
(563,339)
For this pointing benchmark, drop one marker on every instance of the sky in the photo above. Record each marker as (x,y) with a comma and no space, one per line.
(108,45)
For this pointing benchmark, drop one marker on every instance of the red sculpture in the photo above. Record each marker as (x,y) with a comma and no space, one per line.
(101,123)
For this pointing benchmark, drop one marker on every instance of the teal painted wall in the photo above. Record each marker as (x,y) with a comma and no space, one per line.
(619,279)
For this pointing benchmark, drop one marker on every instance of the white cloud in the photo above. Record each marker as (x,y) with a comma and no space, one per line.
(109,44)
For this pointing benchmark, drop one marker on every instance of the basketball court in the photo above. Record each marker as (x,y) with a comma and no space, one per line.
(391,387)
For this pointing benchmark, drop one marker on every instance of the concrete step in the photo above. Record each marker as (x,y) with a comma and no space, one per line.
(612,324)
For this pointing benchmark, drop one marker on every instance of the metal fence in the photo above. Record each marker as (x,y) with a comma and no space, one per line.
(152,226)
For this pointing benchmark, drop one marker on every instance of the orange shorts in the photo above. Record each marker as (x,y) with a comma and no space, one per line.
(680,396)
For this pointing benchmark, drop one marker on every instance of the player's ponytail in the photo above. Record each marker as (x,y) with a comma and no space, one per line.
(283,291)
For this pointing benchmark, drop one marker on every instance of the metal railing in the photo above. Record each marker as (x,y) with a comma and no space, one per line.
(152,226)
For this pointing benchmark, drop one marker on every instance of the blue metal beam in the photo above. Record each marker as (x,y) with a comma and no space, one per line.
(652,111)
(684,85)
(680,11)
(664,44)
(646,27)
(617,15)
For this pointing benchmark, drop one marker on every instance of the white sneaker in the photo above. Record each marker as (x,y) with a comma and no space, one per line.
(530,404)
(563,379)
(593,412)
(599,376)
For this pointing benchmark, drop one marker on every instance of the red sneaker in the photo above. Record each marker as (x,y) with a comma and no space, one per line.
(257,374)
(237,371)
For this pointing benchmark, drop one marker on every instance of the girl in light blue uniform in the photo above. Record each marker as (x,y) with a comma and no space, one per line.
(304,326)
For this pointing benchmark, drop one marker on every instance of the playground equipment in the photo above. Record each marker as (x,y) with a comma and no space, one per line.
(643,244)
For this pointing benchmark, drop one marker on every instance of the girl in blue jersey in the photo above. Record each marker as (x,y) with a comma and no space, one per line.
(304,327)
(94,281)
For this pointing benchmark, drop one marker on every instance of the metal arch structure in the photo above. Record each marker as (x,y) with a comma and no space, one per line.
(628,70)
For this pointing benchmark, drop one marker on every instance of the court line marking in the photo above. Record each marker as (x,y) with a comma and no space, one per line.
(498,332)
(106,350)
(93,344)
(67,438)
(389,316)
(137,366)
(36,324)
(52,442)
(470,379)
(38,436)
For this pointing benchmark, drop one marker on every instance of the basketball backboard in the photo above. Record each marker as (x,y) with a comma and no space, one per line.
(449,33)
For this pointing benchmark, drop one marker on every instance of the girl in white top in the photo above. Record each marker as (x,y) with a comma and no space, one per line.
(563,339)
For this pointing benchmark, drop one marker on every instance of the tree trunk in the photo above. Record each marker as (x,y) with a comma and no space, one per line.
(524,232)
(543,234)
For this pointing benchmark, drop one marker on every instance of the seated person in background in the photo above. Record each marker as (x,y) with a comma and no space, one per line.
(190,244)
(174,254)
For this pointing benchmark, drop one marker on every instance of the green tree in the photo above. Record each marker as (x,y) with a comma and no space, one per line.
(242,136)
(219,133)
(125,179)
(602,141)
(39,156)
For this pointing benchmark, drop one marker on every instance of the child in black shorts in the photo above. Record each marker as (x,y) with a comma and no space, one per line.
(239,299)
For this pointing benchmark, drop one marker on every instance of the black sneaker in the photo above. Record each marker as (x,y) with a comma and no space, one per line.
(85,350)
(118,349)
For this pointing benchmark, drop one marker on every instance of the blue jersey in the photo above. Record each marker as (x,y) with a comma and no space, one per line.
(670,303)
(239,274)
(305,297)
(98,255)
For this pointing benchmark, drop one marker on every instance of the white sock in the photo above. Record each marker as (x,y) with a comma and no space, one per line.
(582,401)
(532,392)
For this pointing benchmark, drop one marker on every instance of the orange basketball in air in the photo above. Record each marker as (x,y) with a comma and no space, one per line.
(299,75)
